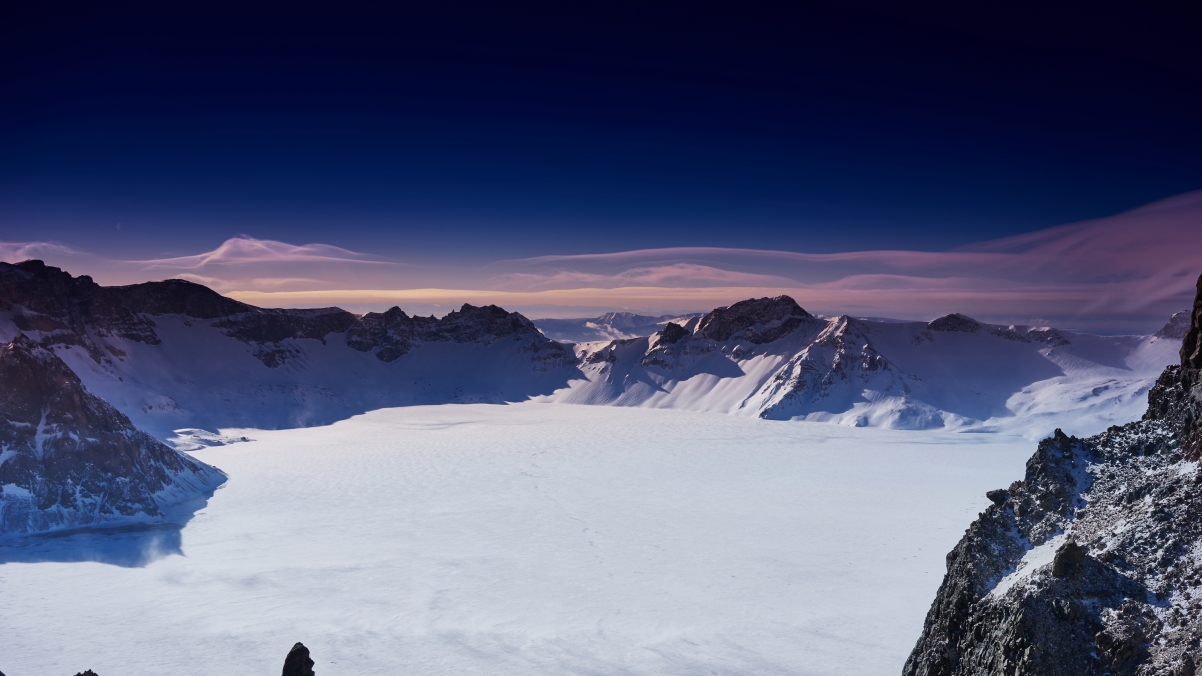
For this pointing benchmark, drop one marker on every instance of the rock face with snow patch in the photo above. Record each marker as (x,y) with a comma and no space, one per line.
(770,358)
(69,459)
(758,320)
(834,370)
(174,355)
(393,333)
(1092,564)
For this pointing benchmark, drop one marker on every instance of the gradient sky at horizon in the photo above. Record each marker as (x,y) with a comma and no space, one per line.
(457,134)
(820,127)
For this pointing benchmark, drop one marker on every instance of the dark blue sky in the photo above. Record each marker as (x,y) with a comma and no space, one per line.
(487,133)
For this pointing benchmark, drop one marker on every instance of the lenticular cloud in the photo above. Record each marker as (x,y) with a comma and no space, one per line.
(1104,274)
(248,250)
(1125,273)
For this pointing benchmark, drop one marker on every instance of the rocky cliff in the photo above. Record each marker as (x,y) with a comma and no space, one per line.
(1092,564)
(68,459)
(61,310)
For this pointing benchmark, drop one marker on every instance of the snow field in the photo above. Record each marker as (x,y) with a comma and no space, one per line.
(531,539)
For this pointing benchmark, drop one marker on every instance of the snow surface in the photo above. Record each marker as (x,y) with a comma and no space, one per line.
(1034,559)
(522,539)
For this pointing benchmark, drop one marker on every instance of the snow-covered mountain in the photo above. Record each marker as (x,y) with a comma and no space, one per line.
(68,459)
(609,326)
(175,355)
(770,358)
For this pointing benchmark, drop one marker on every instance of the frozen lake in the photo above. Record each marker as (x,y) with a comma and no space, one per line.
(523,539)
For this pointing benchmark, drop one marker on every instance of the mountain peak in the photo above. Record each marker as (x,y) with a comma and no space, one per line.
(75,460)
(723,323)
(1191,348)
(955,322)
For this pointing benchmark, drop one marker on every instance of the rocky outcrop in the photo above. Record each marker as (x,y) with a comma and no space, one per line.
(69,459)
(955,322)
(1191,346)
(1176,327)
(393,333)
(832,371)
(758,320)
(298,662)
(1091,564)
(671,334)
(58,309)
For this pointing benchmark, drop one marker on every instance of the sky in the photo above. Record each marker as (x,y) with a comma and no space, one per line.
(613,155)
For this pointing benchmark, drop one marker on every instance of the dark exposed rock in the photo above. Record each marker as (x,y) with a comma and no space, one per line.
(70,459)
(782,314)
(395,332)
(956,322)
(89,672)
(274,326)
(1069,559)
(298,662)
(1176,327)
(1191,345)
(671,334)
(66,310)
(1119,597)
(1050,336)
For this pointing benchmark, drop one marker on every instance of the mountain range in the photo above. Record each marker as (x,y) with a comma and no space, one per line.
(180,363)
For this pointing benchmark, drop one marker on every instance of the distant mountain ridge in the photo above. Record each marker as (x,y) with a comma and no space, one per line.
(183,363)
(609,326)
(770,358)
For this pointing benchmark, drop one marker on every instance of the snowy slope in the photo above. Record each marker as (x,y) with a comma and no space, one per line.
(609,326)
(527,539)
(69,459)
(174,355)
(951,372)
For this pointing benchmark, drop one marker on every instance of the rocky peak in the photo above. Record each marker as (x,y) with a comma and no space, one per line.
(394,333)
(955,322)
(1089,564)
(725,322)
(671,334)
(1177,326)
(1191,347)
(70,459)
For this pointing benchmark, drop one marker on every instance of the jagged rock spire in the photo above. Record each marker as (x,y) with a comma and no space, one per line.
(1191,348)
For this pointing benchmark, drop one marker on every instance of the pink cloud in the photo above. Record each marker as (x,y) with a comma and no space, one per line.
(1098,273)
(15,252)
(244,250)
(1125,272)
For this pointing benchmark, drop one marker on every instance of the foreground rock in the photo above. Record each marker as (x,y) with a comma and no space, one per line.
(1091,564)
(69,459)
(298,662)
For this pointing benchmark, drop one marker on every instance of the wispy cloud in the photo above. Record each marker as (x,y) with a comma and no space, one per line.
(15,252)
(1108,273)
(1122,273)
(244,250)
